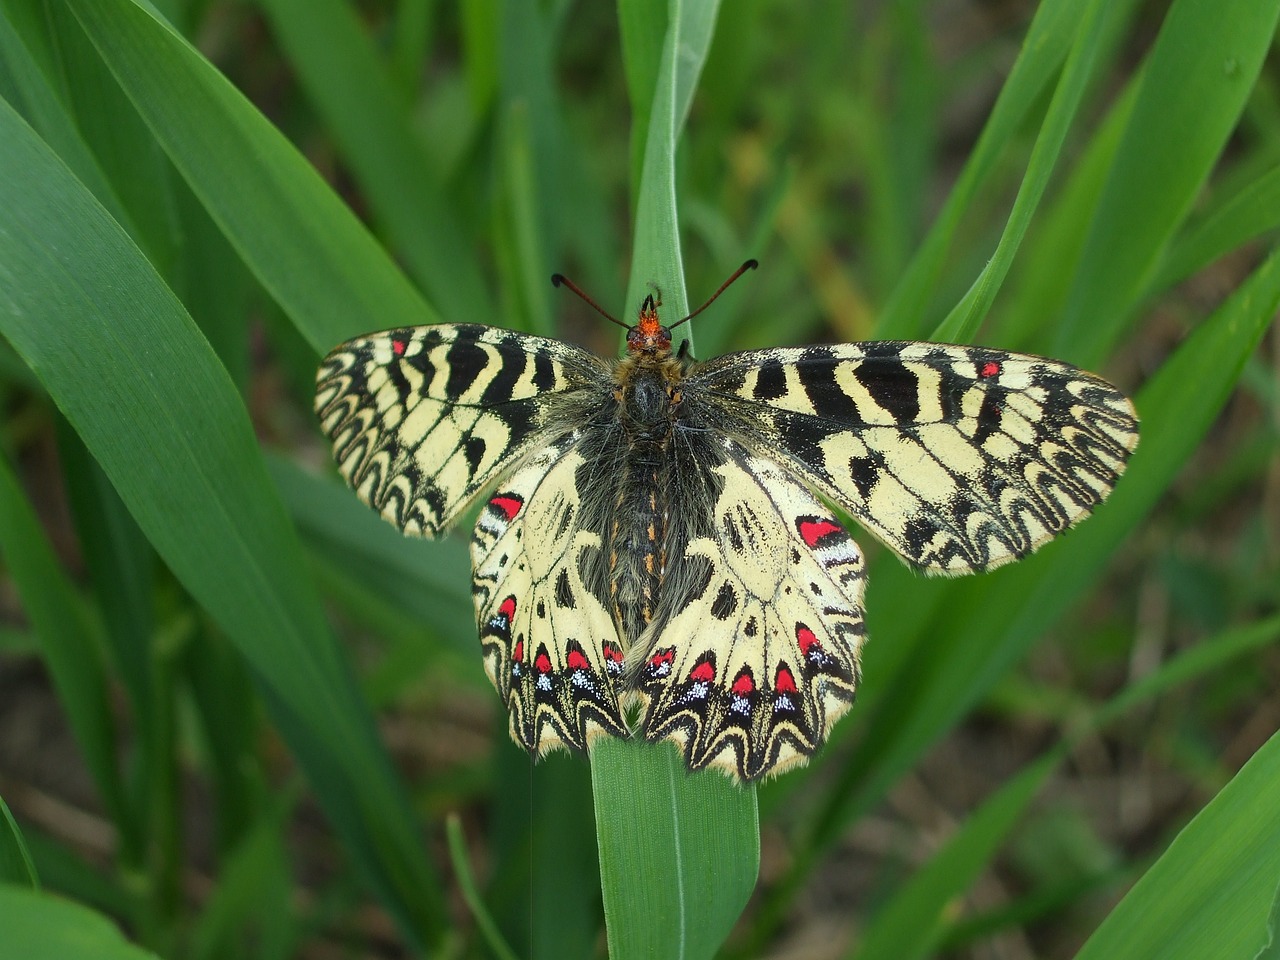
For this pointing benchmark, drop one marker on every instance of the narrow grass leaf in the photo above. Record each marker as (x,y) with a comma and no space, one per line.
(40,926)
(62,625)
(470,894)
(1048,39)
(1213,891)
(114,349)
(1195,84)
(353,90)
(15,860)
(300,241)
(963,320)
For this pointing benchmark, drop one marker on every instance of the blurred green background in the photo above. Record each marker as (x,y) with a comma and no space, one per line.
(240,716)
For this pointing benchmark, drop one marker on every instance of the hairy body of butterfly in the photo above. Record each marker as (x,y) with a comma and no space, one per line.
(655,542)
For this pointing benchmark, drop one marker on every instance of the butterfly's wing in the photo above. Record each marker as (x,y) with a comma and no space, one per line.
(753,651)
(550,646)
(423,419)
(958,458)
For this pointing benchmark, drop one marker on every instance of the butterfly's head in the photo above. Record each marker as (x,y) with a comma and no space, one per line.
(648,337)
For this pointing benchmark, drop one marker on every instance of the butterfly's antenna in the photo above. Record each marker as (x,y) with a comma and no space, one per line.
(749,265)
(558,279)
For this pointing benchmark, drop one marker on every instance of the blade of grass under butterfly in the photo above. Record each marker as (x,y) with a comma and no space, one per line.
(673,845)
(146,394)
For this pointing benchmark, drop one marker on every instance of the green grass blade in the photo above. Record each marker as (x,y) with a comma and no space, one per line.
(67,641)
(353,91)
(303,244)
(40,926)
(1043,51)
(678,851)
(963,320)
(1212,893)
(470,893)
(114,349)
(15,860)
(695,858)
(1195,85)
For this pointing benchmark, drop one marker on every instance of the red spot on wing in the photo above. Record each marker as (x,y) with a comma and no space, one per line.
(542,664)
(661,657)
(518,653)
(744,685)
(507,608)
(398,347)
(507,504)
(811,531)
(807,640)
(577,661)
(703,672)
(614,653)
(784,682)
(989,369)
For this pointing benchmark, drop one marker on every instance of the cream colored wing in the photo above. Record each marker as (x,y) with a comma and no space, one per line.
(958,458)
(423,419)
(550,647)
(747,669)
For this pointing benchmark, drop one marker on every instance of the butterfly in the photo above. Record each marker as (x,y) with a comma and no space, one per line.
(657,553)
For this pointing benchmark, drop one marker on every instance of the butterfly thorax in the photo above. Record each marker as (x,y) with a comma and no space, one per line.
(648,406)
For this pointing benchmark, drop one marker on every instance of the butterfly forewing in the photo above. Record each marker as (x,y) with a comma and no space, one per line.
(423,419)
(958,458)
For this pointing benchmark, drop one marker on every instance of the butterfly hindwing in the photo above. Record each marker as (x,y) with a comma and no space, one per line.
(958,458)
(550,647)
(749,674)
(423,419)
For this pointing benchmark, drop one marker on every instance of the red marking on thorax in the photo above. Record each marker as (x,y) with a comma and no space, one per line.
(577,661)
(811,531)
(509,506)
(807,640)
(743,685)
(398,347)
(989,369)
(543,663)
(784,682)
(702,672)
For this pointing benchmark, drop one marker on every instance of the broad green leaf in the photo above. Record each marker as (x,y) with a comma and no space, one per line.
(41,926)
(295,235)
(679,851)
(1213,892)
(115,350)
